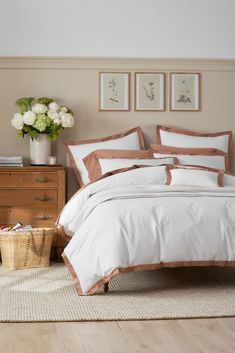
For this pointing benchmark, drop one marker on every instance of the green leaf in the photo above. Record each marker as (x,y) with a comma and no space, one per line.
(55,131)
(33,134)
(25,103)
(20,133)
(45,100)
(26,128)
(70,111)
(23,110)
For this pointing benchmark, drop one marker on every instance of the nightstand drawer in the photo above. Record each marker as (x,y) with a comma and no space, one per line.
(42,198)
(28,215)
(29,180)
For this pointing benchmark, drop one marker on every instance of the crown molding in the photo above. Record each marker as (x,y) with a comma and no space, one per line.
(101,63)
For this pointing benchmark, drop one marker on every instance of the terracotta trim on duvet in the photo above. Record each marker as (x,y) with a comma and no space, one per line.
(199,134)
(169,167)
(139,268)
(71,270)
(112,137)
(192,152)
(62,233)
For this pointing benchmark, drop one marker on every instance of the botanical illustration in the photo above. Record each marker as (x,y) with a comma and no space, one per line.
(114,91)
(185,95)
(184,91)
(149,91)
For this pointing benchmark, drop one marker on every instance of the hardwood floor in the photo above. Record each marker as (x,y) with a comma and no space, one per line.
(162,336)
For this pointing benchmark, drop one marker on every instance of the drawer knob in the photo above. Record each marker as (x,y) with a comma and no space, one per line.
(43,197)
(42,179)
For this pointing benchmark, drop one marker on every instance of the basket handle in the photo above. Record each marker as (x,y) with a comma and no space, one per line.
(33,247)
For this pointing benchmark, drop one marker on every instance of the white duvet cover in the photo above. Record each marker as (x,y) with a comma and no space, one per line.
(132,221)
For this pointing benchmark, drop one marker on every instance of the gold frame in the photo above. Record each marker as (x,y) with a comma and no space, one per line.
(164,91)
(199,91)
(128,91)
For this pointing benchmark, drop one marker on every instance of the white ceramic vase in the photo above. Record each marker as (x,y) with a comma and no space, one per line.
(40,150)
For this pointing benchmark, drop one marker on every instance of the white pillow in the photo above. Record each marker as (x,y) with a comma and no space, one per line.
(131,140)
(216,161)
(141,176)
(193,177)
(108,165)
(188,139)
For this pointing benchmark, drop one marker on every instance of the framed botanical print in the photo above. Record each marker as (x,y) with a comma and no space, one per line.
(149,91)
(184,91)
(114,91)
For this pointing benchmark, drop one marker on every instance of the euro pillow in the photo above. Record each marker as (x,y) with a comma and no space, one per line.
(205,157)
(77,150)
(100,162)
(194,177)
(222,141)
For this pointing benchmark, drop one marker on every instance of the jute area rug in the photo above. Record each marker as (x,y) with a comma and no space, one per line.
(49,295)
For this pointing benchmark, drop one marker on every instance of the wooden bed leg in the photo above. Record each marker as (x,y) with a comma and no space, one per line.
(106,287)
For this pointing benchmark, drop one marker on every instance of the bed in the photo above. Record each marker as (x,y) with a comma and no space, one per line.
(144,217)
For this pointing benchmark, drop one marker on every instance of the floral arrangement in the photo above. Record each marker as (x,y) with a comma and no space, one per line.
(41,116)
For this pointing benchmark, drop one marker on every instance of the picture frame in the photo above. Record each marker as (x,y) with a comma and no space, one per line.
(185,91)
(149,91)
(114,91)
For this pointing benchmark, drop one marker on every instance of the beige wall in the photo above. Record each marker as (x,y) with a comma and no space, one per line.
(74,82)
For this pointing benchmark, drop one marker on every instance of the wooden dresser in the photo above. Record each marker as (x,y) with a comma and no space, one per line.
(33,195)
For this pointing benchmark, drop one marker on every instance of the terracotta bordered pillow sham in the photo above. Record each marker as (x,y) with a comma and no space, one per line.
(205,157)
(179,176)
(100,162)
(77,150)
(222,141)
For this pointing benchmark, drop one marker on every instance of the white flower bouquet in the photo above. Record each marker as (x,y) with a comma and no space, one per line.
(41,116)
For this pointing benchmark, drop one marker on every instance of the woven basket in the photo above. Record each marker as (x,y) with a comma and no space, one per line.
(27,249)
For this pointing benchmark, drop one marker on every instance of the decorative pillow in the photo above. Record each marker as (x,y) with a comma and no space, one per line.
(137,175)
(77,150)
(100,162)
(222,141)
(193,177)
(205,157)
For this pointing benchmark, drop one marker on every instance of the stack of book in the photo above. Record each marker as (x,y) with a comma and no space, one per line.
(11,161)
(18,227)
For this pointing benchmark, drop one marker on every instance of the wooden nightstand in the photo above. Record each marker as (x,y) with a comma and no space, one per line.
(33,195)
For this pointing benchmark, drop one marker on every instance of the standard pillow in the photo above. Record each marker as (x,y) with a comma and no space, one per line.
(77,150)
(222,141)
(100,162)
(205,157)
(193,177)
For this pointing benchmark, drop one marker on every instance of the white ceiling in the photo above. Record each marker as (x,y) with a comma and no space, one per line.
(118,28)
